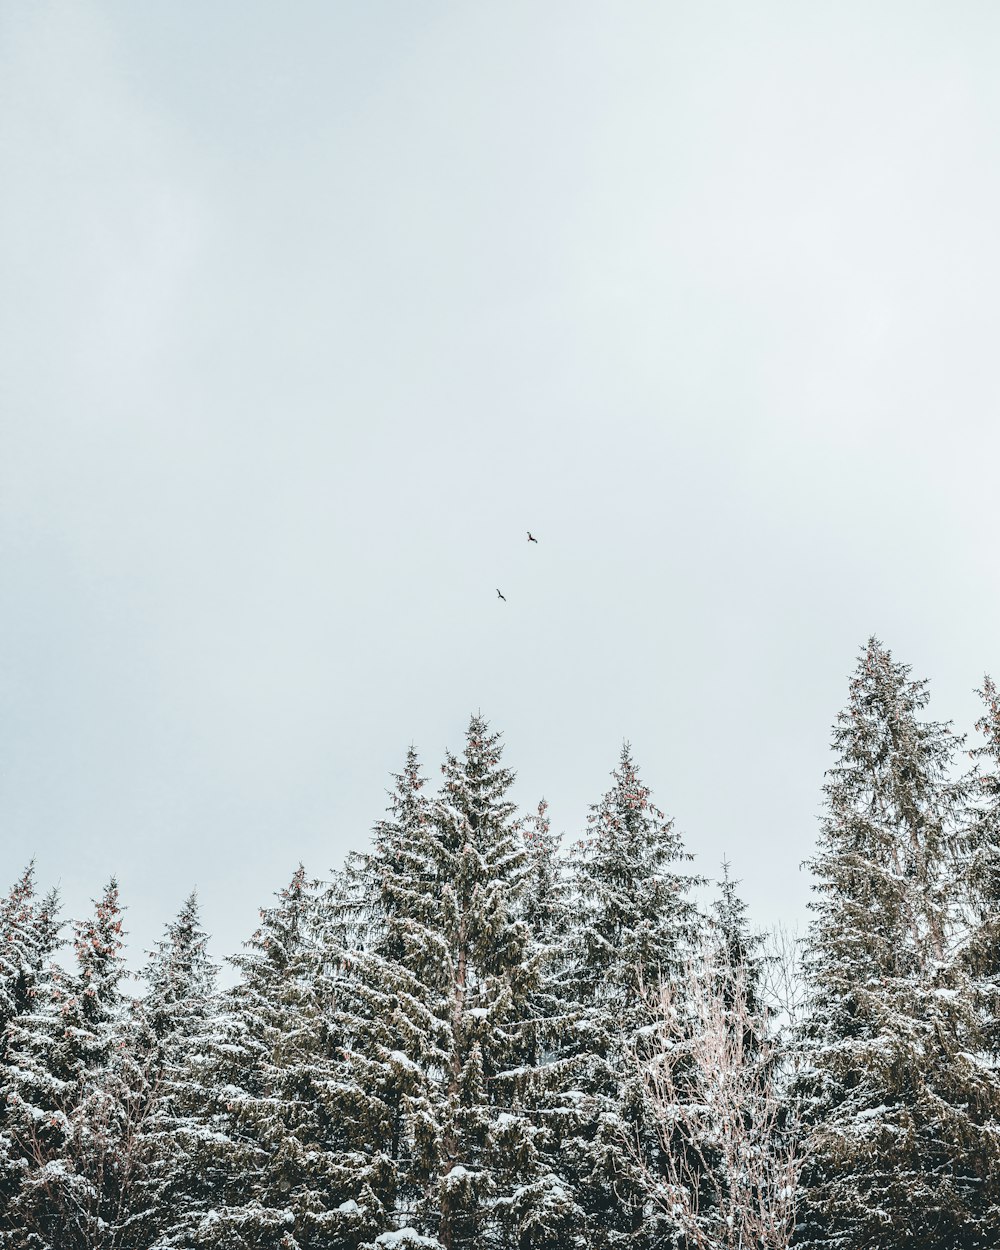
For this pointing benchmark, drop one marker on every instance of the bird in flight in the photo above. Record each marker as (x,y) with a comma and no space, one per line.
(500,596)
(531,537)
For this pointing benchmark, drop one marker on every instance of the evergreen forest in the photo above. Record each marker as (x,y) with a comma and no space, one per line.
(473,1037)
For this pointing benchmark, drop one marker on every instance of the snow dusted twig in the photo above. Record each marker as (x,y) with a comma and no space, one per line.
(729,1157)
(87,1179)
(783,982)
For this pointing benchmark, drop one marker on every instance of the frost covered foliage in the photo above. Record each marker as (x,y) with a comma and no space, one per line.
(982,954)
(469,1038)
(29,936)
(448,973)
(72,1095)
(897,1087)
(635,925)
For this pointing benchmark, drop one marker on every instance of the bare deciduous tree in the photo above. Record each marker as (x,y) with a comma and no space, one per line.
(783,981)
(731,1155)
(86,1187)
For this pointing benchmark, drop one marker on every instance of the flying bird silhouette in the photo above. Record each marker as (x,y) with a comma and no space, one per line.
(531,537)
(500,596)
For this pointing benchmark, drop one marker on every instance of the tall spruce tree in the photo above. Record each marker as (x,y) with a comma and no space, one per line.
(20,956)
(635,926)
(437,923)
(738,963)
(902,1150)
(275,1141)
(547,909)
(70,1105)
(545,906)
(171,1029)
(492,1185)
(545,1213)
(382,941)
(29,937)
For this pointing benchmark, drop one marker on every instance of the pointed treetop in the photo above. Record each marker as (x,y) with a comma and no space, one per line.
(629,801)
(411,777)
(99,944)
(988,723)
(17,907)
(405,800)
(537,831)
(179,969)
(100,939)
(283,930)
(730,909)
(879,737)
(477,780)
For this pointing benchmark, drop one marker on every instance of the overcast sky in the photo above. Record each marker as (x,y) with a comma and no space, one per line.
(308,312)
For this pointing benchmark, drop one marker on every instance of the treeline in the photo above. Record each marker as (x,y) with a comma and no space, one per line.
(471,1039)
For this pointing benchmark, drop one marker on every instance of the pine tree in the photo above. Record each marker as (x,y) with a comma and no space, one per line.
(171,1029)
(441,953)
(435,920)
(635,927)
(983,875)
(232,1196)
(544,1212)
(546,903)
(489,1163)
(384,944)
(283,1143)
(19,955)
(69,1109)
(29,937)
(738,962)
(901,1150)
(547,909)
(980,958)
(180,982)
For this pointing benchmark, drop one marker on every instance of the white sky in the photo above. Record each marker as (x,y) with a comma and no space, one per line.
(308,312)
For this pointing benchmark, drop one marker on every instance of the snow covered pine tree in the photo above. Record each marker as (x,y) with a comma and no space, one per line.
(29,936)
(493,1186)
(445,980)
(277,1122)
(902,1151)
(382,952)
(171,1029)
(71,1108)
(983,876)
(635,926)
(550,1217)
